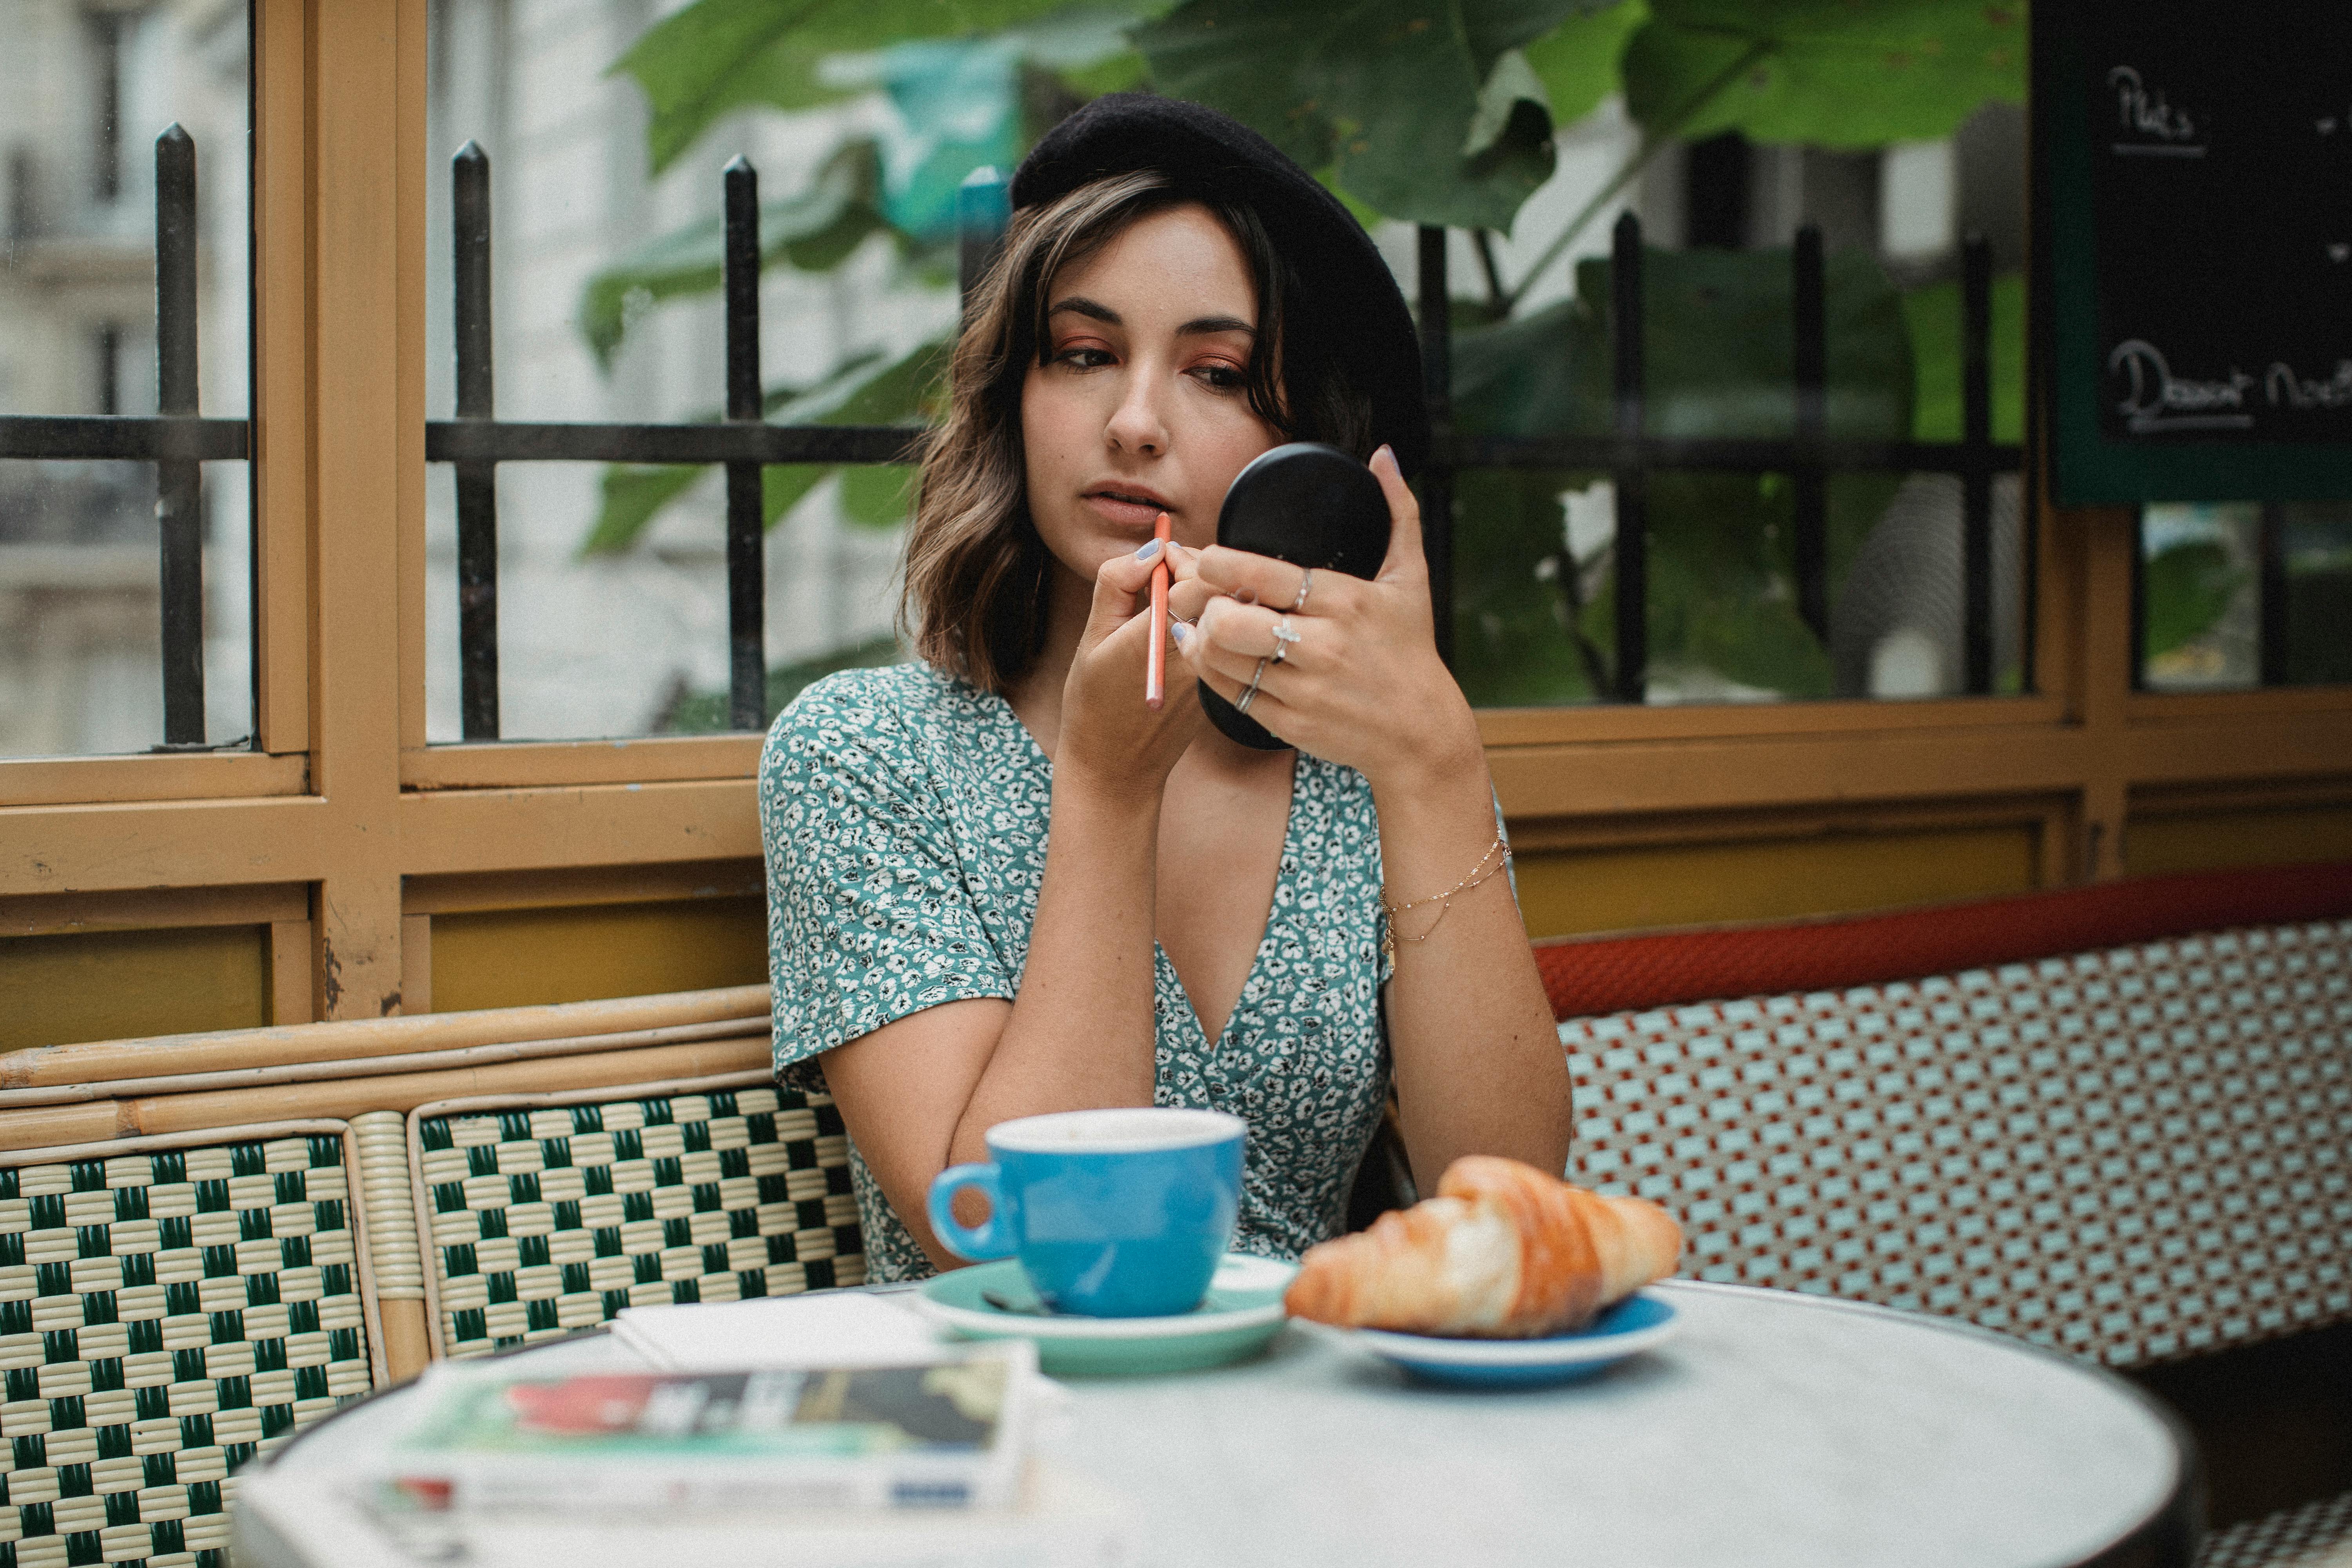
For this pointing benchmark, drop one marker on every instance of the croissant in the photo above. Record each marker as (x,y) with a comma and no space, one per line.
(1504,1251)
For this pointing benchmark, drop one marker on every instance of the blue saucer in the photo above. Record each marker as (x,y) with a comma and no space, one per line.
(1633,1325)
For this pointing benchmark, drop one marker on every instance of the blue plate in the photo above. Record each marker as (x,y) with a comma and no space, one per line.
(1638,1323)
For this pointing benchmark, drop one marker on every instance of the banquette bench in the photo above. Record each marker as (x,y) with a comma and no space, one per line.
(2116,1120)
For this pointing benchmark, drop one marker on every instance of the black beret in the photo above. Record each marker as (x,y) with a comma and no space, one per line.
(1349,298)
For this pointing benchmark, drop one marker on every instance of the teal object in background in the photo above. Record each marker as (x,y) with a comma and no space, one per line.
(994,1301)
(959,108)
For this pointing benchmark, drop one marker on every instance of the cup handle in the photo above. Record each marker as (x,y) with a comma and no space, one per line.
(978,1243)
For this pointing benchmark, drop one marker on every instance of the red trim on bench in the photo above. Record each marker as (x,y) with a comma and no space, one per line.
(1586,976)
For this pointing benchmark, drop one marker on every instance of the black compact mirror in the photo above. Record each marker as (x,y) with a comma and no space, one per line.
(1313,506)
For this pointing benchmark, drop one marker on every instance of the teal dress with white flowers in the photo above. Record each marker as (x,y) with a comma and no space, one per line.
(904,814)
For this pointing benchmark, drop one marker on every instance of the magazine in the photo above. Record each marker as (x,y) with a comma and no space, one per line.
(947,1430)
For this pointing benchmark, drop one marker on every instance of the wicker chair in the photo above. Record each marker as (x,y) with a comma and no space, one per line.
(548,1213)
(169,1308)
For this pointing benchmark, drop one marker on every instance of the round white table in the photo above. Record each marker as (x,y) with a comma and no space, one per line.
(1775,1429)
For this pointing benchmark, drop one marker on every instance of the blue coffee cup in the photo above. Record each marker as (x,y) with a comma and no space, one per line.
(1113,1213)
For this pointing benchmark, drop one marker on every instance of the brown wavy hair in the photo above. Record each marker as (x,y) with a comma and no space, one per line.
(974,602)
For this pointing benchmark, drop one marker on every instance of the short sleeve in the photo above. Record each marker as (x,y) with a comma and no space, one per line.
(870,916)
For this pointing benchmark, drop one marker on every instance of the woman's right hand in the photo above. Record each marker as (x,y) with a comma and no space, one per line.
(1109,734)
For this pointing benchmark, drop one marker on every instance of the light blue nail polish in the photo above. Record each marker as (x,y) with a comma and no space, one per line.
(1181,633)
(1151,549)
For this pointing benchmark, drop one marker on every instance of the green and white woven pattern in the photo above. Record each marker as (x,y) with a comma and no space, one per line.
(545,1220)
(165,1316)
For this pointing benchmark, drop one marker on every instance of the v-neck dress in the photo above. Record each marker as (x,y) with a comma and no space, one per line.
(904,814)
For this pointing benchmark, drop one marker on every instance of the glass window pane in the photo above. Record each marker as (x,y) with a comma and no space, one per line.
(85,91)
(2318,619)
(612,582)
(1729,615)
(2200,621)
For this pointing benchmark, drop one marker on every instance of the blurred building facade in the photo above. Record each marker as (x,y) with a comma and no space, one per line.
(84,89)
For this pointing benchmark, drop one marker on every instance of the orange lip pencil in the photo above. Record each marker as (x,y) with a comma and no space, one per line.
(1155,661)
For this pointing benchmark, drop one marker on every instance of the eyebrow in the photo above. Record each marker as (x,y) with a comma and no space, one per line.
(1078,304)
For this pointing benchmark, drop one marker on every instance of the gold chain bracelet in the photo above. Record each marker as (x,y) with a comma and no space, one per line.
(1479,874)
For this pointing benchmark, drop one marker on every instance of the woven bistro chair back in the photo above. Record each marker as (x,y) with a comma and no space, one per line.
(543,1215)
(2133,1154)
(169,1308)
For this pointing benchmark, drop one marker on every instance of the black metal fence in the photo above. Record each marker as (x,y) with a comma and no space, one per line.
(475,442)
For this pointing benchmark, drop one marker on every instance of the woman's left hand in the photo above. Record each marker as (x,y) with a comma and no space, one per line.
(1361,684)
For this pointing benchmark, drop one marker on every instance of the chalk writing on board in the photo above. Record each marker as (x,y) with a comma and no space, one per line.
(2142,111)
(2287,389)
(2156,399)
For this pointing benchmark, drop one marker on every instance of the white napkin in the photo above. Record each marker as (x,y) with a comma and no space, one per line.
(844,1328)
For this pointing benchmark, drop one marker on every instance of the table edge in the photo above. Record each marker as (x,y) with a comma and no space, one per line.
(2166,1537)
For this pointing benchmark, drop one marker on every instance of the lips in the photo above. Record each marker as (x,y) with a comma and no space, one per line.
(1128,506)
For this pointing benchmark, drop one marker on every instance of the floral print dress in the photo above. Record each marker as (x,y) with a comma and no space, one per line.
(904,814)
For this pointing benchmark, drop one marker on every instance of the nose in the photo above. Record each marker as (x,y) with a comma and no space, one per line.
(1139,424)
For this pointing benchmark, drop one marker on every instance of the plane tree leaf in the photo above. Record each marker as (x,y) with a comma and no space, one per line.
(1382,92)
(1847,74)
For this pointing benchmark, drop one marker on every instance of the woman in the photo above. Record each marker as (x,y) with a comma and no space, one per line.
(1000,885)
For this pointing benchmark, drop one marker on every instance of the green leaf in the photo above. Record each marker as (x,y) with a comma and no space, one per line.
(706,60)
(1511,83)
(633,494)
(1518,633)
(2187,589)
(1846,74)
(812,230)
(1121,73)
(1494,26)
(702,62)
(1717,343)
(867,390)
(706,712)
(1382,92)
(1578,61)
(1933,314)
(876,495)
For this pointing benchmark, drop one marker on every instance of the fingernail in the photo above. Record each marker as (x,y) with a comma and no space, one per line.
(1387,451)
(1180,631)
(1151,549)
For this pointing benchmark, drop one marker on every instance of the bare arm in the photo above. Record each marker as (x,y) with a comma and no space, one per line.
(1479,1068)
(1478,1064)
(919,1093)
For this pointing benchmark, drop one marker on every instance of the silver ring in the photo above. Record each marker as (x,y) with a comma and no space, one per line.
(1241,703)
(1306,582)
(1284,635)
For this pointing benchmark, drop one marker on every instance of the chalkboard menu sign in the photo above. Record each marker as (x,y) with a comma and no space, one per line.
(2193,257)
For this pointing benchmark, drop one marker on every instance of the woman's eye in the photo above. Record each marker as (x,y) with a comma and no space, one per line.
(1223,378)
(1083,358)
